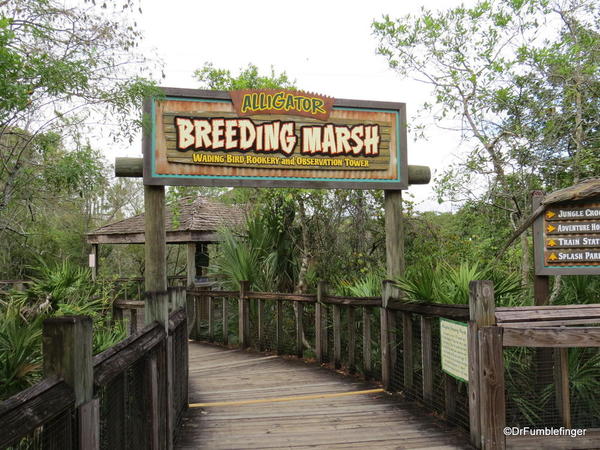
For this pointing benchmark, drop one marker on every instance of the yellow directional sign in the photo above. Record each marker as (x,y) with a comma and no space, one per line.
(550,228)
(550,214)
(551,243)
(552,257)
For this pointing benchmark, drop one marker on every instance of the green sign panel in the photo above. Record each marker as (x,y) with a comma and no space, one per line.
(455,349)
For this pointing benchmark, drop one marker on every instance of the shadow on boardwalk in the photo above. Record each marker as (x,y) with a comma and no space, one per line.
(250,382)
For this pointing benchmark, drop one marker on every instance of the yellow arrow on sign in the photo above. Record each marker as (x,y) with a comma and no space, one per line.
(552,257)
(550,214)
(550,228)
(551,243)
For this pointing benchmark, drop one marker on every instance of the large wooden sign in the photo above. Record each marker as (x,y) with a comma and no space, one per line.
(568,239)
(274,138)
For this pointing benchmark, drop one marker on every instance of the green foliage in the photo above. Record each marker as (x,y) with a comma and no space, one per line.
(248,78)
(368,285)
(58,290)
(450,285)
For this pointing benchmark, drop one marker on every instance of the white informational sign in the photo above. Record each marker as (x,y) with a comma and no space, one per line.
(92,260)
(454,349)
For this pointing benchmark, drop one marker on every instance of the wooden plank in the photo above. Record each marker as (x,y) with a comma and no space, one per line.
(552,337)
(427,359)
(261,325)
(366,342)
(407,348)
(133,325)
(170,400)
(310,298)
(337,336)
(353,301)
(492,388)
(351,340)
(225,321)
(24,412)
(590,440)
(106,354)
(320,332)
(299,329)
(191,264)
(550,323)
(279,327)
(561,381)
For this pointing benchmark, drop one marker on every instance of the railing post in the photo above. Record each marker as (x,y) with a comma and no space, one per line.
(244,316)
(561,380)
(491,379)
(482,313)
(386,362)
(320,330)
(299,329)
(67,350)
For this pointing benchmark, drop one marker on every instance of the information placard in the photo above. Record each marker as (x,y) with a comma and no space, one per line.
(454,349)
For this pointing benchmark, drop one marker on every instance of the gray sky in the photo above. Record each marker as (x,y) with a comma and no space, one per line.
(326,46)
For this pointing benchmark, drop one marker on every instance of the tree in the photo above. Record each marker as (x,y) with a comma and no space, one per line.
(62,69)
(492,72)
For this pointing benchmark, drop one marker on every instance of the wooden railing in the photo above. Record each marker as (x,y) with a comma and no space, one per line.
(547,332)
(132,395)
(400,346)
(372,335)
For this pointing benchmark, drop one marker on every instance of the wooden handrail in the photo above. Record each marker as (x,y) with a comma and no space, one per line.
(118,358)
(24,412)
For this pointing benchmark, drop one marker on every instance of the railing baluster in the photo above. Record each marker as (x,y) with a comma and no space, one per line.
(299,329)
(279,326)
(261,325)
(351,340)
(225,319)
(337,336)
(366,329)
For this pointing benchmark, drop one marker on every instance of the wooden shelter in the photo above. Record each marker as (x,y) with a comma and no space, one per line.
(192,221)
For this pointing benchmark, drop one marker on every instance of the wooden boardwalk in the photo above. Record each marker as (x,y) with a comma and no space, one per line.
(258,413)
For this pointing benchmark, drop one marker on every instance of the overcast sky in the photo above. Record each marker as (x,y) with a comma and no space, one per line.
(326,46)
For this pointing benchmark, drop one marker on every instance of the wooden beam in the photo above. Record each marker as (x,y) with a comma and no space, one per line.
(261,325)
(155,250)
(133,167)
(67,352)
(384,313)
(561,381)
(191,264)
(552,337)
(394,234)
(279,327)
(482,313)
(225,321)
(492,388)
